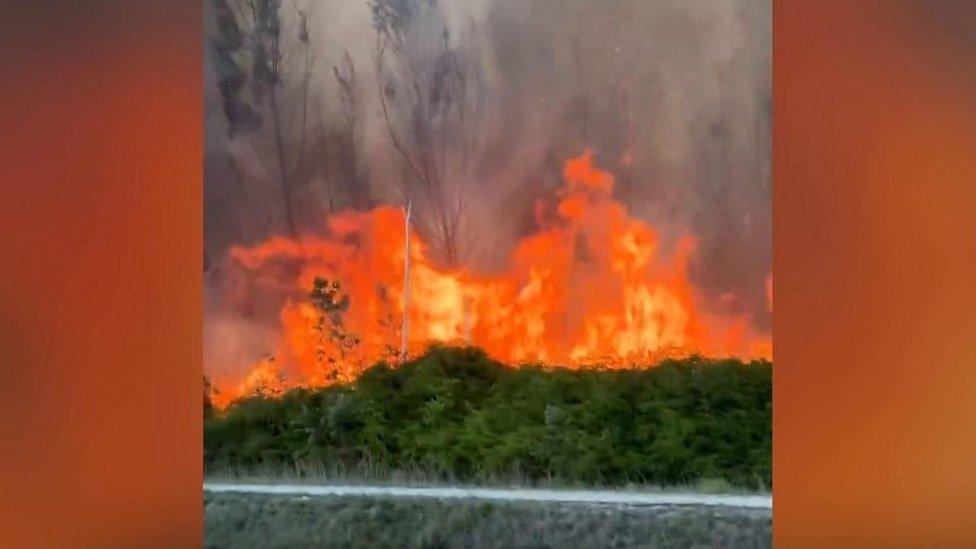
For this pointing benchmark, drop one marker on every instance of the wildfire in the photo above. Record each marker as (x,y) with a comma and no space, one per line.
(264,378)
(591,286)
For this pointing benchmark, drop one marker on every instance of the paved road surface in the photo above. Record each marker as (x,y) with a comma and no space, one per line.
(567,496)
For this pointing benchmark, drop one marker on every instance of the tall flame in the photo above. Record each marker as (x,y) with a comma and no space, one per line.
(589,287)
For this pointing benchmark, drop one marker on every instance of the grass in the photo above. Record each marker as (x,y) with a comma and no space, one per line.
(243,521)
(282,474)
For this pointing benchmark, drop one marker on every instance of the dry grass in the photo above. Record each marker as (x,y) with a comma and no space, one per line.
(241,521)
(375,476)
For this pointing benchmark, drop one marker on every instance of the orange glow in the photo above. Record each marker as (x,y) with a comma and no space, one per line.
(264,378)
(589,288)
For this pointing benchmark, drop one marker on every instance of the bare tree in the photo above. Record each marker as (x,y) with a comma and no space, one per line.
(265,97)
(426,105)
(346,179)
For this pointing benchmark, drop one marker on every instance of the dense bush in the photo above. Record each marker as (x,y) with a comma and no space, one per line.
(456,414)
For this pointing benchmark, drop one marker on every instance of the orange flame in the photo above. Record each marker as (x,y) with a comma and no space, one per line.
(264,379)
(590,287)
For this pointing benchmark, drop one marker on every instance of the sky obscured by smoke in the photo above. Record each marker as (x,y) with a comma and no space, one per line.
(673,97)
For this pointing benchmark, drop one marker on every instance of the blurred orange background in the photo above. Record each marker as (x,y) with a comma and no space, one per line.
(100,286)
(874,253)
(875,274)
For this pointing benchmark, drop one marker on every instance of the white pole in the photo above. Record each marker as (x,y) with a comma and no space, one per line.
(467,321)
(406,286)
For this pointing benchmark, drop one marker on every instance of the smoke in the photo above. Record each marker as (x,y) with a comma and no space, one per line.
(673,97)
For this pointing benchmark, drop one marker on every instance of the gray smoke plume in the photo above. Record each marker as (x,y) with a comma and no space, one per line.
(492,96)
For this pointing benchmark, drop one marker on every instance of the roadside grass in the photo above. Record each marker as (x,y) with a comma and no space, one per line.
(243,521)
(322,475)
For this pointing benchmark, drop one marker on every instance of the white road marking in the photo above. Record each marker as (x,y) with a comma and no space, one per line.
(567,496)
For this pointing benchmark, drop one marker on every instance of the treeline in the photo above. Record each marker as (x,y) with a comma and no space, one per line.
(455,414)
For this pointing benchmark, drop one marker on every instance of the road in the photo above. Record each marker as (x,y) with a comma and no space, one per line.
(519,494)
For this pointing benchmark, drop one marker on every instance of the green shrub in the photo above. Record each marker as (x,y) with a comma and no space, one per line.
(455,414)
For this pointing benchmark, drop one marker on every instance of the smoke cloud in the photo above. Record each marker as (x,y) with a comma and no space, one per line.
(673,98)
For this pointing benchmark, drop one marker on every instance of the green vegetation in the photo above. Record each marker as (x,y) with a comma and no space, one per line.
(454,414)
(239,521)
